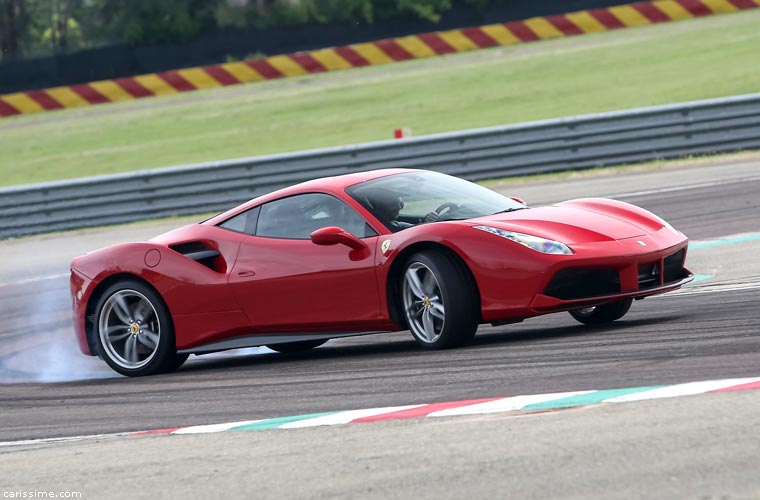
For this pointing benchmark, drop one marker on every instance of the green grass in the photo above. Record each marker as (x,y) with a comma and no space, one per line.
(697,59)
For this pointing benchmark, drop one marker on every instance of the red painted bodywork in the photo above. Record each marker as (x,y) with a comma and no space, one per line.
(265,285)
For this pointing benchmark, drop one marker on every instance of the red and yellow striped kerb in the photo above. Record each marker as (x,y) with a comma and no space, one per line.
(365,54)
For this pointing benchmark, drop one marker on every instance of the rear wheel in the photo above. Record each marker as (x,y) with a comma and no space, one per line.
(606,313)
(439,301)
(296,347)
(134,332)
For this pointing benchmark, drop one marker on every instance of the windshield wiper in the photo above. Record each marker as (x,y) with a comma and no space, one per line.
(510,210)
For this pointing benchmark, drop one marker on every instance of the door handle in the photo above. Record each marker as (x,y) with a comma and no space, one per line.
(246,274)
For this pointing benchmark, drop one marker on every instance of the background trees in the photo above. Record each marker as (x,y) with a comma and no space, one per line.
(151,22)
(31,28)
(14,22)
(266,13)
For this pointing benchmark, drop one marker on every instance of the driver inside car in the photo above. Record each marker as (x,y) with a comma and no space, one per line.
(387,207)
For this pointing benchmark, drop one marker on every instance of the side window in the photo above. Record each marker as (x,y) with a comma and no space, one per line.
(243,223)
(298,216)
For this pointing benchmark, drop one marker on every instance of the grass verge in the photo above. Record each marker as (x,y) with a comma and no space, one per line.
(696,59)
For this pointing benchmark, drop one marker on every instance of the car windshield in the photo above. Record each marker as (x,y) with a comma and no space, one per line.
(403,200)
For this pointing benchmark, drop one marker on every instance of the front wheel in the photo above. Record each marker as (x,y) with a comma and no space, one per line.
(134,332)
(439,301)
(600,315)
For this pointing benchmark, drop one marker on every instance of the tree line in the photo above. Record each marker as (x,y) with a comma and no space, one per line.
(30,28)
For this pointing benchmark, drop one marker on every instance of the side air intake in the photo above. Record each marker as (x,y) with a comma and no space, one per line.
(200,253)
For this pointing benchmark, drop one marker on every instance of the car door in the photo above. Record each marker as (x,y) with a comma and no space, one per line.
(286,283)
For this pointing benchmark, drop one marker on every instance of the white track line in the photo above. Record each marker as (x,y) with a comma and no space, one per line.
(710,288)
(505,405)
(345,417)
(689,389)
(35,279)
(208,429)
(92,437)
(683,188)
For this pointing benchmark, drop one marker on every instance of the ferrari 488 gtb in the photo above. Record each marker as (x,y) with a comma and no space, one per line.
(367,252)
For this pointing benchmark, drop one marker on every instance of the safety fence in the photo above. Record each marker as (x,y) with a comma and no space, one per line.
(701,127)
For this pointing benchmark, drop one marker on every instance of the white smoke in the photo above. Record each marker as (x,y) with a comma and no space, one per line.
(37,342)
(42,346)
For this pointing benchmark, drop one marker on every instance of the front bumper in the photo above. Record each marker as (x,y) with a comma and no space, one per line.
(545,304)
(532,284)
(600,281)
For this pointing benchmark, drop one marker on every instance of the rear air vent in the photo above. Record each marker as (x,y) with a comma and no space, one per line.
(200,253)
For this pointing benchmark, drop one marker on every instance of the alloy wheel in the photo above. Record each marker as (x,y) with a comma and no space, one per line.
(129,329)
(423,303)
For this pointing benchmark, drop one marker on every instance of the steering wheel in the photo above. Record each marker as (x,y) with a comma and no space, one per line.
(446,208)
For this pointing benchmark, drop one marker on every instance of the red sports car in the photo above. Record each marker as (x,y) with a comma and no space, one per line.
(361,253)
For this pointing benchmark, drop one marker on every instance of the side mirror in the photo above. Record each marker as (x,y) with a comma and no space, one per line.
(519,200)
(333,235)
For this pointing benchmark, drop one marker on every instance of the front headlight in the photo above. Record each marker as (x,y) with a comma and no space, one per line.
(534,242)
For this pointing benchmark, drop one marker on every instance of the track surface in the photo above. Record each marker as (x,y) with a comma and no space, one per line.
(694,447)
(671,339)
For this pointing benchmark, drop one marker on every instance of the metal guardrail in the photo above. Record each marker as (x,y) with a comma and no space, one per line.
(718,125)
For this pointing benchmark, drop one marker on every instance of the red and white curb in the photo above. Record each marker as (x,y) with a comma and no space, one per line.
(523,403)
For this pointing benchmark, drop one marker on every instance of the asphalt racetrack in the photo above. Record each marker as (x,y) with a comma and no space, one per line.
(693,447)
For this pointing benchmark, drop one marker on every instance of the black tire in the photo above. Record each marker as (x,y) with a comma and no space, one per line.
(175,363)
(134,332)
(296,347)
(438,301)
(600,315)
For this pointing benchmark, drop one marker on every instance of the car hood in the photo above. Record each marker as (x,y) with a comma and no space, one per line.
(570,224)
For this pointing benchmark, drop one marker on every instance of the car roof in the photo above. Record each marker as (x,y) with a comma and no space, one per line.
(341,182)
(334,184)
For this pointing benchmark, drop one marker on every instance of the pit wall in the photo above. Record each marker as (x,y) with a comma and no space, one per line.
(365,54)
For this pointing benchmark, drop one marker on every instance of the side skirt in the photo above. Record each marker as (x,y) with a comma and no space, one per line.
(263,339)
